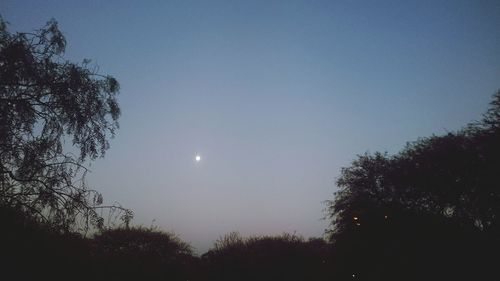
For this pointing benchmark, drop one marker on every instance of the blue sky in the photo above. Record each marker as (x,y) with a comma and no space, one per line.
(276,96)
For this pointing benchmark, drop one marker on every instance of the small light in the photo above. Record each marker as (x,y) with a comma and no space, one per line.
(358,224)
(355,218)
(385,217)
(354,276)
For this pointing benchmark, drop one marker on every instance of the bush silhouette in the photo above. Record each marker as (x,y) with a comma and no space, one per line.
(284,257)
(31,250)
(142,253)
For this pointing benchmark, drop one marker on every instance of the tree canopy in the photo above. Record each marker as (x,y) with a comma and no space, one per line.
(430,211)
(55,115)
(454,176)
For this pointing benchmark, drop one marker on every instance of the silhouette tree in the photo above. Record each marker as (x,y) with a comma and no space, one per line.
(46,104)
(143,253)
(454,175)
(438,195)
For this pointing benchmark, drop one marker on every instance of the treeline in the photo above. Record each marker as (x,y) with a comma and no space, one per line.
(429,212)
(34,251)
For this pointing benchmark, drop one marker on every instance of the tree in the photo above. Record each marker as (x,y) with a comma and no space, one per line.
(47,103)
(437,201)
(455,176)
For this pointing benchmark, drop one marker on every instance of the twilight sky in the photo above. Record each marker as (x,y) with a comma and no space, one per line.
(276,97)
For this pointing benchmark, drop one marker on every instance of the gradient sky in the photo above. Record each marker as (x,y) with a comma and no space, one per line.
(276,96)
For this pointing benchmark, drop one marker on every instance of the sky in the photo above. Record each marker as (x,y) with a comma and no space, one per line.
(275,96)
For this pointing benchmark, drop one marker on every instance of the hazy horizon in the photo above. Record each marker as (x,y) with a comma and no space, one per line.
(275,96)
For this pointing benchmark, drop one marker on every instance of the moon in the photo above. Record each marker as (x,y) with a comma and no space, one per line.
(197,158)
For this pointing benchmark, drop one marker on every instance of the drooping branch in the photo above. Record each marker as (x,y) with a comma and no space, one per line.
(46,100)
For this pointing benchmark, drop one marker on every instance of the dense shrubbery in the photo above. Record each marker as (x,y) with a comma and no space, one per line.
(285,257)
(32,250)
(410,245)
(143,253)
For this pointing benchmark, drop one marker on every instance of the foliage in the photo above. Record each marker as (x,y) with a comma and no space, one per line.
(284,257)
(35,251)
(138,241)
(455,176)
(142,253)
(411,246)
(436,201)
(54,116)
